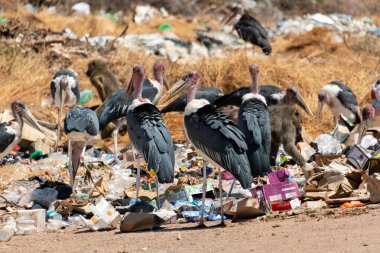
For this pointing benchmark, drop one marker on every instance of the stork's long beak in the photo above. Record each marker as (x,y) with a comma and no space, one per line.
(176,89)
(226,21)
(28,116)
(320,106)
(165,83)
(301,102)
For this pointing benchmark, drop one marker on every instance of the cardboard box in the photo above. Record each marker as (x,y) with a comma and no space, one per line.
(278,176)
(184,192)
(281,191)
(374,163)
(324,160)
(357,157)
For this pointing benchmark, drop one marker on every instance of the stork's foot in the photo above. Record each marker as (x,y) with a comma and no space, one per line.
(201,225)
(222,224)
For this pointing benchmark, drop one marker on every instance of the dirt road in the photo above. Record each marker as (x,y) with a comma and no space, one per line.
(326,231)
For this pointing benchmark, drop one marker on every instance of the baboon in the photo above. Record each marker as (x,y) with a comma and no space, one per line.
(102,78)
(286,126)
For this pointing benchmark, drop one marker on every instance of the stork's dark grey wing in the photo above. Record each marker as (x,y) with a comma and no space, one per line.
(268,91)
(217,137)
(149,91)
(234,98)
(115,107)
(179,104)
(254,122)
(247,21)
(348,99)
(249,29)
(76,90)
(342,86)
(6,138)
(52,89)
(80,120)
(151,137)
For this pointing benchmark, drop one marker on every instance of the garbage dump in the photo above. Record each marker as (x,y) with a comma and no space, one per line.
(115,189)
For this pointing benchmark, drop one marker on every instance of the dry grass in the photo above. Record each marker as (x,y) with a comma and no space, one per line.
(307,62)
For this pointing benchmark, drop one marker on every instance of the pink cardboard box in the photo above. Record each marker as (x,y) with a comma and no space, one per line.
(279,176)
(281,191)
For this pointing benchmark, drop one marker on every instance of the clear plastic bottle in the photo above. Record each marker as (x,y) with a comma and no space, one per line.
(9,229)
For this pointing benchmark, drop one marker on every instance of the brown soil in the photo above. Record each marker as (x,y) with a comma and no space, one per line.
(333,230)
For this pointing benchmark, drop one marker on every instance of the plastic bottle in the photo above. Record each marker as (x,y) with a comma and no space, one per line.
(9,229)
(54,225)
(85,96)
(53,215)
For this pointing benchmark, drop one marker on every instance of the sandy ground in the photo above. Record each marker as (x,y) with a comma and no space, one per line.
(337,230)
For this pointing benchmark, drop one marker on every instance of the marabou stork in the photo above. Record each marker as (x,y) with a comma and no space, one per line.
(273,95)
(11,132)
(341,100)
(254,122)
(250,29)
(65,91)
(179,104)
(149,135)
(116,106)
(226,148)
(154,88)
(81,125)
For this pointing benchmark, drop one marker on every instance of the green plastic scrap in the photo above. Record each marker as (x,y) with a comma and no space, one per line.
(3,20)
(37,153)
(85,96)
(110,16)
(165,26)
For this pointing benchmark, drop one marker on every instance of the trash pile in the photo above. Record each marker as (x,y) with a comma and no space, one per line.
(339,23)
(37,196)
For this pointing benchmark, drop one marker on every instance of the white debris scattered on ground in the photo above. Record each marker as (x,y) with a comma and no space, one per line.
(339,23)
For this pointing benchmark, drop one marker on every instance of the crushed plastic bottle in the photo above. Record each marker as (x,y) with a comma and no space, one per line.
(74,220)
(327,144)
(9,229)
(368,141)
(54,225)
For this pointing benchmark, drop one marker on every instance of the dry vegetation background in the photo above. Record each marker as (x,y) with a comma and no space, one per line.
(307,61)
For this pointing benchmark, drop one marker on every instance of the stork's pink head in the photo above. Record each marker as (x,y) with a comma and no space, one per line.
(18,106)
(158,72)
(138,79)
(254,72)
(188,82)
(158,67)
(64,82)
(368,112)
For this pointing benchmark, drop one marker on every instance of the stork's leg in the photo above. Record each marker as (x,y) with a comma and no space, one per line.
(138,173)
(221,198)
(115,134)
(58,128)
(157,199)
(204,189)
(88,176)
(230,191)
(71,170)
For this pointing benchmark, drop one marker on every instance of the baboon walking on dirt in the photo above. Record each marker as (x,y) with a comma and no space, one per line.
(286,126)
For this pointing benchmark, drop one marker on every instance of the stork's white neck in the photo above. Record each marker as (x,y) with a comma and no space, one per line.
(194,105)
(137,102)
(250,96)
(158,86)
